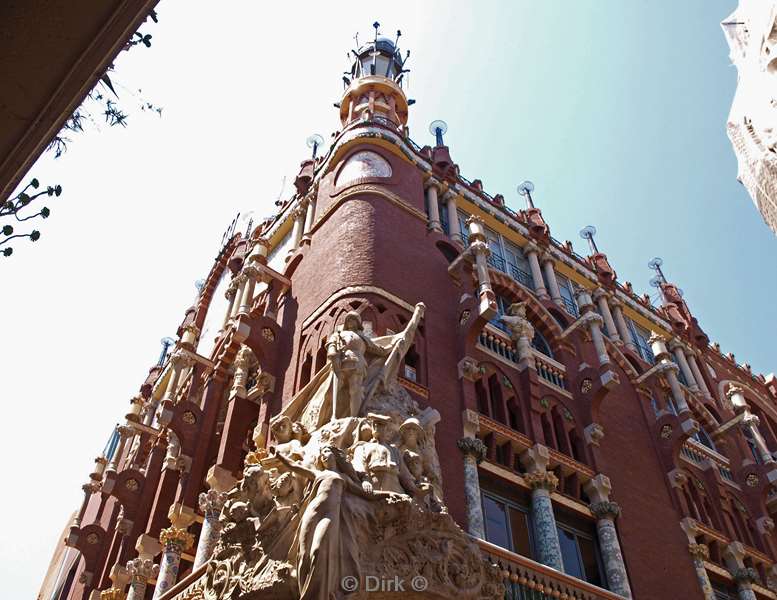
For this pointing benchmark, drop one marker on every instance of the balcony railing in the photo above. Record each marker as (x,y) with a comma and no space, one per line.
(570,306)
(550,370)
(498,345)
(521,277)
(525,579)
(698,453)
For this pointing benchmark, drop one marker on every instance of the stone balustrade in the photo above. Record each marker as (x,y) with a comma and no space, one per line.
(524,578)
(550,370)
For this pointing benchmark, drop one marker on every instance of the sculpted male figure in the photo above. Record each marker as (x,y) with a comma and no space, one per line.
(348,352)
(378,462)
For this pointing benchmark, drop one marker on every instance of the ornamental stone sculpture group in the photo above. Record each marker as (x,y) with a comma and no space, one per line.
(348,492)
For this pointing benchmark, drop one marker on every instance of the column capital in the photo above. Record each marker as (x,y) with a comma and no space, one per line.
(147,546)
(598,489)
(546,257)
(599,293)
(298,212)
(211,502)
(113,593)
(431,182)
(220,479)
(142,569)
(536,458)
(750,420)
(745,576)
(531,248)
(545,480)
(181,516)
(606,509)
(473,447)
(699,551)
(676,343)
(176,538)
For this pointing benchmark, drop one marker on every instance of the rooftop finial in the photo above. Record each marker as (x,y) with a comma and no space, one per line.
(525,188)
(655,264)
(314,141)
(588,233)
(166,343)
(437,129)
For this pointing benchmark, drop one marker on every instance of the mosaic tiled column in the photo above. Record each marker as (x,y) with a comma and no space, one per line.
(542,483)
(174,541)
(700,553)
(211,503)
(474,451)
(606,512)
(744,576)
(140,571)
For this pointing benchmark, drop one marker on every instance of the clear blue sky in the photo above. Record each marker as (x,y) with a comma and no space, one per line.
(615,109)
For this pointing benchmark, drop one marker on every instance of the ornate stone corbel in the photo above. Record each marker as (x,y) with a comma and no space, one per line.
(594,433)
(469,369)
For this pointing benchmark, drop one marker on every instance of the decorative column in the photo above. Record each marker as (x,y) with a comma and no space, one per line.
(310,216)
(751,422)
(479,249)
(453,217)
(434,207)
(550,276)
(600,296)
(678,350)
(669,369)
(250,272)
(174,541)
(211,503)
(125,433)
(620,324)
(140,571)
(594,322)
(699,553)
(542,482)
(697,374)
(119,577)
(231,295)
(532,251)
(298,214)
(744,576)
(474,451)
(606,511)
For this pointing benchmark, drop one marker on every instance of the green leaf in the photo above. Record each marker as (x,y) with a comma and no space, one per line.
(34,183)
(7,230)
(45,212)
(35,235)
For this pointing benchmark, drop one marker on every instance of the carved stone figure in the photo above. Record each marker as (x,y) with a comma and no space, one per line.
(358,368)
(347,491)
(348,351)
(328,549)
(377,461)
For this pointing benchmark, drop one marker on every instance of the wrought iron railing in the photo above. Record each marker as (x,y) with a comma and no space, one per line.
(521,277)
(497,262)
(570,306)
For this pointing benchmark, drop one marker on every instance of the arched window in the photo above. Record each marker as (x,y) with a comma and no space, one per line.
(540,344)
(703,438)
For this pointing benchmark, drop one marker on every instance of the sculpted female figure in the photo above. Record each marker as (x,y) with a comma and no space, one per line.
(327,538)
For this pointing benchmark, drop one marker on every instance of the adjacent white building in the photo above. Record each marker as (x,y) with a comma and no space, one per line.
(751,31)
